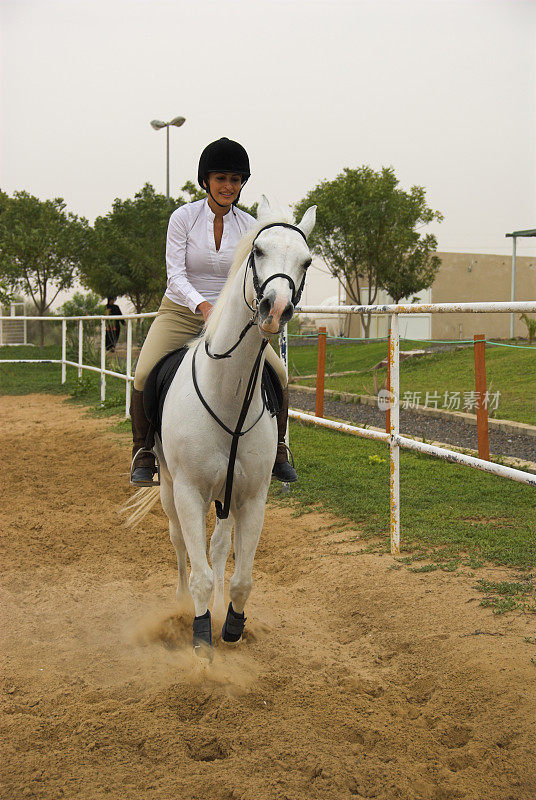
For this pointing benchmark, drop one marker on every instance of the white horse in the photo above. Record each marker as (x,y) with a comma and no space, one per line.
(263,286)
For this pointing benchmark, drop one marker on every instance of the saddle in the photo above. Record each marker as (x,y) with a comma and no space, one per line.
(162,374)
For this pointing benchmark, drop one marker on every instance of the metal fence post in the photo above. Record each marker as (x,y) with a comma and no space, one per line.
(388,410)
(63,350)
(482,428)
(394,449)
(320,373)
(80,347)
(103,362)
(128,367)
(513,286)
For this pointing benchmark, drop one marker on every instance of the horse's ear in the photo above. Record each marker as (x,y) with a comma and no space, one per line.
(264,207)
(308,220)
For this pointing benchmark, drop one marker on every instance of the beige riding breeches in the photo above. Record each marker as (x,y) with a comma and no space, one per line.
(173,327)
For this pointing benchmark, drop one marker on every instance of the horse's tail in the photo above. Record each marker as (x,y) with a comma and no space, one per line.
(139,505)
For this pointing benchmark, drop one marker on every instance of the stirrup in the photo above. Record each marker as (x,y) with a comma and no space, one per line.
(289,451)
(157,473)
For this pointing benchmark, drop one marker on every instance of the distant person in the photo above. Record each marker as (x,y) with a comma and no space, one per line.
(113,329)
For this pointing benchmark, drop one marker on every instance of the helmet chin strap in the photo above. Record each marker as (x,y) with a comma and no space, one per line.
(221,205)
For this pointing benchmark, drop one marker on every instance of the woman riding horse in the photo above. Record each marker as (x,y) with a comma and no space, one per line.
(201,240)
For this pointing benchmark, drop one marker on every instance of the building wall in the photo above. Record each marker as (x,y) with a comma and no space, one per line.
(411,326)
(466,278)
(472,278)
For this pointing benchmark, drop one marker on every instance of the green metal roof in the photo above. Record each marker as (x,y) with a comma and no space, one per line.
(532,232)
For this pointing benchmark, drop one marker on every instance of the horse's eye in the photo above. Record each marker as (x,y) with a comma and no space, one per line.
(257,250)
(307,263)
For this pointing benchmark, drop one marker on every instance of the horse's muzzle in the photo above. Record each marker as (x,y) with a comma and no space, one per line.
(275,310)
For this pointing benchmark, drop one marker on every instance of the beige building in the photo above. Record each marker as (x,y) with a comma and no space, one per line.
(463,278)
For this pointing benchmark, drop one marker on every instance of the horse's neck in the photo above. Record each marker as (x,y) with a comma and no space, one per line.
(227,378)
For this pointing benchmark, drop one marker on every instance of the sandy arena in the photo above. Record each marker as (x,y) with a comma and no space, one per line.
(355,680)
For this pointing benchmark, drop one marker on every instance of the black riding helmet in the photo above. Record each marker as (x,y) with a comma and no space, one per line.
(223,155)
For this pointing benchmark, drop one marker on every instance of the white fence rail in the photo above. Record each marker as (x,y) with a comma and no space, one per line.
(393,438)
(126,376)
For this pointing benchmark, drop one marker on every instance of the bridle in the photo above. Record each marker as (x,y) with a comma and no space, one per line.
(260,287)
(222,511)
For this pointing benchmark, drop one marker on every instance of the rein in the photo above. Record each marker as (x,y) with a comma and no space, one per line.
(222,511)
(213,414)
(228,352)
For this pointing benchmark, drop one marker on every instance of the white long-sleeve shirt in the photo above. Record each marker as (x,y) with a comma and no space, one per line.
(196,271)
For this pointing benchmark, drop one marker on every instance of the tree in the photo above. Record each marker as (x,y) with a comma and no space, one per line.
(41,248)
(128,253)
(408,264)
(530,322)
(81,304)
(193,191)
(366,233)
(7,293)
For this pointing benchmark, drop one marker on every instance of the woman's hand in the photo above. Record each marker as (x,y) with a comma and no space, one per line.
(206,309)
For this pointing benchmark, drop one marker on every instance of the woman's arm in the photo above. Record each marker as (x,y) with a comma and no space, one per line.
(176,263)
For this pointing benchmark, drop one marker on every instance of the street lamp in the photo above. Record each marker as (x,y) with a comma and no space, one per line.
(157,124)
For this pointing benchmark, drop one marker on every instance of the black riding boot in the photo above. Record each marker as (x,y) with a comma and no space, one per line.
(282,470)
(143,466)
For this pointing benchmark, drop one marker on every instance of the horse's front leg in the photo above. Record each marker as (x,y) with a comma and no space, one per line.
(175,534)
(191,510)
(248,527)
(220,544)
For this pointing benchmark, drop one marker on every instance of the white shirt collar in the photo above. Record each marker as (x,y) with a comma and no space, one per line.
(211,215)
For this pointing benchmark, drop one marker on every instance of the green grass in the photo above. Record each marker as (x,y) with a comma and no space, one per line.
(509,371)
(340,357)
(455,515)
(17,379)
(451,515)
(424,568)
(24,378)
(511,595)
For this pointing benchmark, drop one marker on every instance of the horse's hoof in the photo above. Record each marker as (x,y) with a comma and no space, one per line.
(204,651)
(233,627)
(231,644)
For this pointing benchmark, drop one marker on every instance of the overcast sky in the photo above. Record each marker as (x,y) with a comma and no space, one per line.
(443,91)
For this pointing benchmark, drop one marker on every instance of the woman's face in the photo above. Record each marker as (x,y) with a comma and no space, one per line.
(225,186)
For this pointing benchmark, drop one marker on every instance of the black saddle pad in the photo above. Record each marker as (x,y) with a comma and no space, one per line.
(157,385)
(160,378)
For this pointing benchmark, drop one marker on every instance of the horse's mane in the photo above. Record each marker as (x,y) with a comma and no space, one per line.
(242,251)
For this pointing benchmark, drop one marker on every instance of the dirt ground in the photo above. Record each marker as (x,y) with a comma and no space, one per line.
(354,681)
